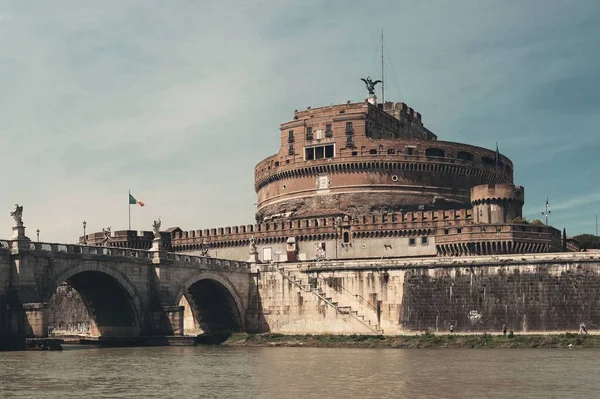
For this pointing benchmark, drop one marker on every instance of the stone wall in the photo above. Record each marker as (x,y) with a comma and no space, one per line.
(530,293)
(68,314)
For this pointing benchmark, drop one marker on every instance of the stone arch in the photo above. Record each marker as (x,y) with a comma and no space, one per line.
(213,283)
(112,301)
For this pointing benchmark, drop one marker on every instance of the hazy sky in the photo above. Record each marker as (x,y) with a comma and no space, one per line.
(178,100)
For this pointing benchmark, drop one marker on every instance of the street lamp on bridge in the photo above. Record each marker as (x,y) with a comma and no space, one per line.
(84,237)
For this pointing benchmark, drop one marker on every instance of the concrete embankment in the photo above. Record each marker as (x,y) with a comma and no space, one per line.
(416,341)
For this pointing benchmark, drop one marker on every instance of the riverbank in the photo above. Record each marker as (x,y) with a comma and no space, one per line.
(416,341)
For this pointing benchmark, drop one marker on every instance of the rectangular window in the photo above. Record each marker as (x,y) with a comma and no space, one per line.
(319,152)
(267,254)
(459,230)
(309,133)
(412,242)
(291,136)
(391,151)
(424,240)
(328,128)
(354,153)
(348,127)
(409,150)
(291,149)
(309,154)
(446,231)
(329,151)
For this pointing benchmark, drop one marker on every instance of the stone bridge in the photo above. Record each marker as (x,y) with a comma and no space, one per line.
(126,292)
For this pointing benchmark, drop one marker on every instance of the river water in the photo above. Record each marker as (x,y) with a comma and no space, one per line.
(226,372)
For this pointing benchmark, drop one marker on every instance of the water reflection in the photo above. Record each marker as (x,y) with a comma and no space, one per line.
(175,372)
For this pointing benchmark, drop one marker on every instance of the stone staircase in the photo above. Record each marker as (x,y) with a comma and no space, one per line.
(299,282)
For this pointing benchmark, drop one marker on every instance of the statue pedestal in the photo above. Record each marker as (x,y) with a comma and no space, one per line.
(18,232)
(19,240)
(372,99)
(158,252)
(253,258)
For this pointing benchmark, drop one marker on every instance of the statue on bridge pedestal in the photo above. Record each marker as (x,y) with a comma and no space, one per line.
(156,228)
(253,249)
(17,214)
(204,247)
(106,233)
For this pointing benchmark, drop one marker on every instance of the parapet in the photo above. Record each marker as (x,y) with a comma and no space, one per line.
(497,192)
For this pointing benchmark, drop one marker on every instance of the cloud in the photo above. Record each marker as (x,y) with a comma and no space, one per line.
(178,101)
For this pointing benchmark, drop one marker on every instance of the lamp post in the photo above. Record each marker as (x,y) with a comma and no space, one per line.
(84,237)
(547,211)
(38,235)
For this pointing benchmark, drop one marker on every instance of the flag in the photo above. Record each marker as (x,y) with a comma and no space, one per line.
(133,201)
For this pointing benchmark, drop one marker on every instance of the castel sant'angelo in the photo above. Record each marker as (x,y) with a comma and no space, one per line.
(369,180)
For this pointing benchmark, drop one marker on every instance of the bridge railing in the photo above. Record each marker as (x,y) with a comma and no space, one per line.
(204,260)
(90,249)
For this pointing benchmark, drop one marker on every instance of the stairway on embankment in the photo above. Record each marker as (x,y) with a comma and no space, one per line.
(333,300)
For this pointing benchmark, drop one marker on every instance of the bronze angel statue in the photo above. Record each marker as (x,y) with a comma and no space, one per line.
(370,84)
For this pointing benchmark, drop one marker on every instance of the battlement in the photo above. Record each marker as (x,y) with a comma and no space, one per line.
(126,239)
(326,225)
(497,193)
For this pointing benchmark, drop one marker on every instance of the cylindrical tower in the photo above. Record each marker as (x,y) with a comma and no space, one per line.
(497,203)
(360,158)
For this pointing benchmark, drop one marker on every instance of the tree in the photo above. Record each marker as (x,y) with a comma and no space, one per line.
(537,222)
(588,241)
(564,240)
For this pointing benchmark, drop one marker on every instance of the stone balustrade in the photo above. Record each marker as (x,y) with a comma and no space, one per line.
(213,263)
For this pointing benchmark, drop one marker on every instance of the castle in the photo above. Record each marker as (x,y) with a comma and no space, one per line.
(369,180)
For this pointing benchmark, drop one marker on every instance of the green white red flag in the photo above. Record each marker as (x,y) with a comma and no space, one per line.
(133,201)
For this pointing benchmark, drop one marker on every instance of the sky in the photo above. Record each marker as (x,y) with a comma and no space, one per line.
(177,101)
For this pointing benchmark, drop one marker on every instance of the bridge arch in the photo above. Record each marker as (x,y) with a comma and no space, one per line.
(214,302)
(112,302)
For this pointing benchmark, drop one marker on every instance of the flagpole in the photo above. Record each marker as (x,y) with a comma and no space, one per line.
(129,202)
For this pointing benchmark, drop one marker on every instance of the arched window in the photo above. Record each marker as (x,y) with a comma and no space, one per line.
(346,237)
(487,160)
(435,152)
(464,156)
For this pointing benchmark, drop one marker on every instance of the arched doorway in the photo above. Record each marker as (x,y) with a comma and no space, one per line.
(211,306)
(93,304)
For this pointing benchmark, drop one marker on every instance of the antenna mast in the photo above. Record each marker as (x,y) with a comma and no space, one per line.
(382,79)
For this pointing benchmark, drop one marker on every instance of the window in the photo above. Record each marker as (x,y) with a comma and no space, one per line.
(291,150)
(291,136)
(409,150)
(346,237)
(319,152)
(309,133)
(412,242)
(266,254)
(328,131)
(391,151)
(464,156)
(329,151)
(446,231)
(349,127)
(309,154)
(459,230)
(373,152)
(488,160)
(435,152)
(354,153)
(424,240)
